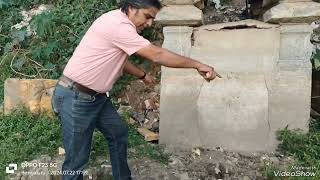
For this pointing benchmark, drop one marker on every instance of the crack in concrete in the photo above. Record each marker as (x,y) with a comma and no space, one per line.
(198,120)
(268,89)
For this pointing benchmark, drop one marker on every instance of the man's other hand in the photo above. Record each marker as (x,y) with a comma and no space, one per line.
(148,80)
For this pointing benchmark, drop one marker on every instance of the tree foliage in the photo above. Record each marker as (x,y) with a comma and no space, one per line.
(42,48)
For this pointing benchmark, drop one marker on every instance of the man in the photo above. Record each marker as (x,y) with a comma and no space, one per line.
(80,99)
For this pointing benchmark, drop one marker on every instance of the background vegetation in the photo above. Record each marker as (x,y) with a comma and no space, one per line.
(43,54)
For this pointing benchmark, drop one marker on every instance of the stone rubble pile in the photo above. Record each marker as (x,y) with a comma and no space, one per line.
(142,104)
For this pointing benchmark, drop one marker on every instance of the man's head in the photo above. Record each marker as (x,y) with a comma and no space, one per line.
(141,12)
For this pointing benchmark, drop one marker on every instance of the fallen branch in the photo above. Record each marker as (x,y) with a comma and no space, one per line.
(30,76)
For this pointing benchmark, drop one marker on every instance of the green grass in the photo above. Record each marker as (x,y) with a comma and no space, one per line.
(24,137)
(305,148)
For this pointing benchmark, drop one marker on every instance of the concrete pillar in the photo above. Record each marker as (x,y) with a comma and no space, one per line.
(178,109)
(293,11)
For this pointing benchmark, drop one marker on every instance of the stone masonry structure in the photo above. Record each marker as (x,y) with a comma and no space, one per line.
(34,94)
(266,82)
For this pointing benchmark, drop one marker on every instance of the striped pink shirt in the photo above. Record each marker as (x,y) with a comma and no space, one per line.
(99,59)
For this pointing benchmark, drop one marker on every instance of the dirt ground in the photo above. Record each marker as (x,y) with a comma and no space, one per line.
(199,164)
(211,164)
(187,164)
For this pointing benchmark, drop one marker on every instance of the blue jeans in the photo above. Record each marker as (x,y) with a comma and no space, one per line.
(80,114)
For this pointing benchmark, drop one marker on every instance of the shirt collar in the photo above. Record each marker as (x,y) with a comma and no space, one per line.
(126,17)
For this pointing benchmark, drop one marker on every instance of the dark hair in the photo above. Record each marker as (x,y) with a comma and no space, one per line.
(139,4)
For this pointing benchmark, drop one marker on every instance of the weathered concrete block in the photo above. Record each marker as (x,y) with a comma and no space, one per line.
(233,113)
(177,39)
(34,94)
(198,3)
(290,96)
(179,112)
(244,53)
(230,112)
(291,87)
(180,15)
(238,103)
(295,42)
(298,12)
(263,89)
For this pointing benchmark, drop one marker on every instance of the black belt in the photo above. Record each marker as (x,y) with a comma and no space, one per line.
(68,83)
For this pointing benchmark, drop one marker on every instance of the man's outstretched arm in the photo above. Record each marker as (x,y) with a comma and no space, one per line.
(169,59)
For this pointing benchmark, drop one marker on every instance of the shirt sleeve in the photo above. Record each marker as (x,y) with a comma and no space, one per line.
(127,39)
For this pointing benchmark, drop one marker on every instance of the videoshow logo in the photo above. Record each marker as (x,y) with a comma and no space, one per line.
(11,168)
